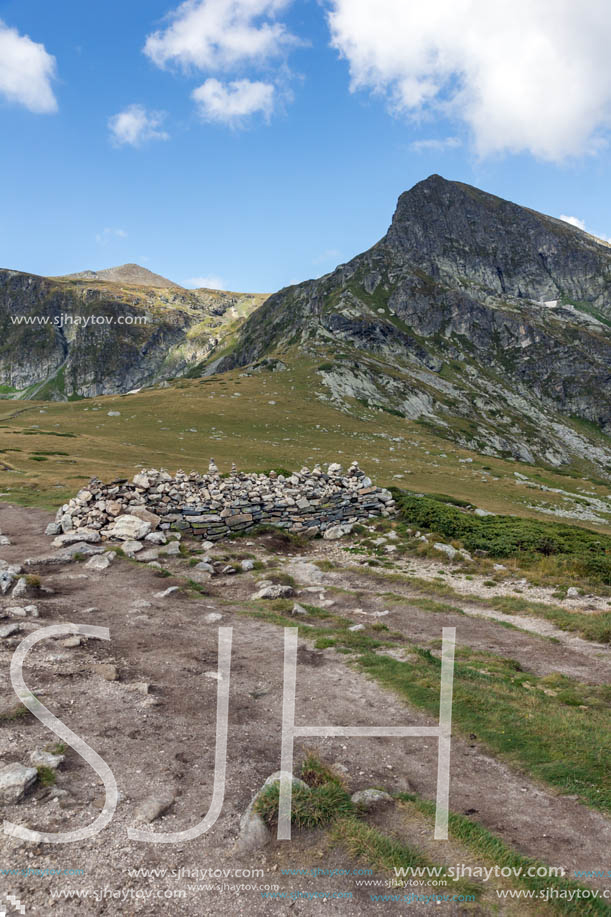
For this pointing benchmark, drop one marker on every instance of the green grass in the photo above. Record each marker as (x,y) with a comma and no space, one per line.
(46,775)
(490,847)
(583,552)
(548,735)
(367,844)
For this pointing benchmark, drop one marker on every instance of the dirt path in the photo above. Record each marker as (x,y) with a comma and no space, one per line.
(162,738)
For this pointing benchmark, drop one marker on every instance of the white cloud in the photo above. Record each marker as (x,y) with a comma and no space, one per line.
(220,34)
(211,282)
(27,71)
(230,103)
(435,145)
(574,221)
(108,234)
(524,75)
(135,126)
(580,224)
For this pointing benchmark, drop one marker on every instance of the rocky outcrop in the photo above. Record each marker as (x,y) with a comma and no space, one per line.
(212,506)
(487,319)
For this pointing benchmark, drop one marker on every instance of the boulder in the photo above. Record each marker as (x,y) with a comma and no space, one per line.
(129,528)
(15,781)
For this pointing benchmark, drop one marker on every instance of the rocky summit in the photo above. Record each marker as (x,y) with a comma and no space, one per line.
(485,320)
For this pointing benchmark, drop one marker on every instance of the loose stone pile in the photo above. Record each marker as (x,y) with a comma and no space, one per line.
(212,505)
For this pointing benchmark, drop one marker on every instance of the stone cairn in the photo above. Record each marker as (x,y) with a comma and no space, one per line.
(211,506)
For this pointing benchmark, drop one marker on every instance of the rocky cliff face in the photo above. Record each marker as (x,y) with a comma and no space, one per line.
(66,337)
(486,319)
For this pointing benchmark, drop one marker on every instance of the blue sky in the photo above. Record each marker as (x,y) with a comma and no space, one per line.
(255,143)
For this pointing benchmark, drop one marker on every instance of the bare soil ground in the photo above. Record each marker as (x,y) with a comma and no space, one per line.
(162,738)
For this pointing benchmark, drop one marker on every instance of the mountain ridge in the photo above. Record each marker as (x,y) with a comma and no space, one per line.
(472,313)
(123,273)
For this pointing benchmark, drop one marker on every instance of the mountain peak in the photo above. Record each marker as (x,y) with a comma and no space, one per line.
(124,273)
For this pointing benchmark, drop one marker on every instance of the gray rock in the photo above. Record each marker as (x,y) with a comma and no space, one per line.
(15,781)
(53,528)
(371,799)
(274,592)
(298,609)
(21,588)
(247,564)
(254,833)
(446,549)
(153,807)
(166,592)
(148,555)
(204,567)
(336,531)
(132,547)
(89,536)
(171,550)
(99,563)
(7,630)
(572,592)
(40,758)
(129,528)
(106,670)
(156,538)
(7,578)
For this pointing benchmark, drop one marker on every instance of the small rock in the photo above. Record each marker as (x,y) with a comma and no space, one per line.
(356,627)
(336,531)
(213,617)
(274,591)
(446,549)
(71,642)
(99,562)
(298,609)
(15,781)
(204,567)
(247,564)
(21,587)
(89,536)
(165,593)
(371,799)
(40,758)
(140,512)
(7,630)
(572,592)
(106,670)
(153,807)
(155,538)
(171,550)
(147,556)
(132,547)
(53,528)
